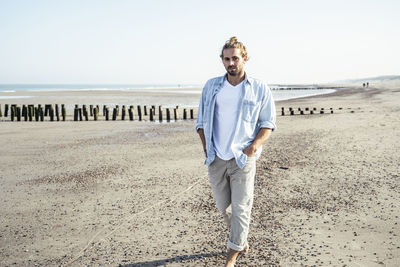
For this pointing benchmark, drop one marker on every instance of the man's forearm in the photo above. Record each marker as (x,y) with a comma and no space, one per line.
(200,131)
(261,138)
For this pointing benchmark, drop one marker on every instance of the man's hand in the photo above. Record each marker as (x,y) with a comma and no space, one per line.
(260,139)
(250,151)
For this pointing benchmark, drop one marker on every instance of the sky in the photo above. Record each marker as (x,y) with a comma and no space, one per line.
(179,41)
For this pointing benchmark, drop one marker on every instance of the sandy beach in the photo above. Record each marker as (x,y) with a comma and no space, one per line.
(137,193)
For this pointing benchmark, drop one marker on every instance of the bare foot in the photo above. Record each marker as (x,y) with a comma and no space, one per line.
(231,258)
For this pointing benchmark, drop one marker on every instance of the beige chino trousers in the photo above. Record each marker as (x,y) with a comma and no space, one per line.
(233,190)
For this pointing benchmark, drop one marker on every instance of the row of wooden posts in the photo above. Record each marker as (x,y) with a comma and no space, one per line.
(38,113)
(311,111)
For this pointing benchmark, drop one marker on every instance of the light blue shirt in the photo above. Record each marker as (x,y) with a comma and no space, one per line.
(257,110)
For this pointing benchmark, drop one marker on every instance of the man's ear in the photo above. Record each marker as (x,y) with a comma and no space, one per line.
(245,58)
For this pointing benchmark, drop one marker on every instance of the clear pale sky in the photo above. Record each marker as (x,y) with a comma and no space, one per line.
(179,41)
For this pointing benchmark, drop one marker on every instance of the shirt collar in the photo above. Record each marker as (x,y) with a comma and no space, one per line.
(247,79)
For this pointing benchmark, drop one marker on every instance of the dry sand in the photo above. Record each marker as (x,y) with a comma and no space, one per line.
(137,194)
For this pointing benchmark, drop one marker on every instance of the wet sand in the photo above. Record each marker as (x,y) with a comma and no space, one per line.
(137,194)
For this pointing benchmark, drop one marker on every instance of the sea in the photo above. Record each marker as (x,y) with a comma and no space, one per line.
(189,93)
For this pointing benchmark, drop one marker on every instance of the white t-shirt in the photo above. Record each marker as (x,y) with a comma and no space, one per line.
(225,118)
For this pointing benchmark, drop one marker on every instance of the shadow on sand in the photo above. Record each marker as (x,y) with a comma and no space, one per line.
(177,259)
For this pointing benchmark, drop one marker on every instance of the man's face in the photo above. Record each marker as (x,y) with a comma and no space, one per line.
(233,61)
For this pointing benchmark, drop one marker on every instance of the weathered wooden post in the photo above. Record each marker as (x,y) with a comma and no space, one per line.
(51,113)
(107,113)
(30,111)
(80,114)
(175,114)
(57,112)
(311,112)
(117,108)
(132,108)
(168,115)
(76,114)
(84,111)
(191,114)
(160,116)
(1,114)
(41,114)
(5,110)
(12,113)
(25,113)
(283,111)
(95,112)
(331,110)
(139,111)
(63,112)
(123,112)
(301,112)
(307,109)
(37,114)
(114,117)
(184,114)
(46,108)
(321,111)
(292,112)
(18,113)
(91,110)
(130,112)
(151,115)
(145,110)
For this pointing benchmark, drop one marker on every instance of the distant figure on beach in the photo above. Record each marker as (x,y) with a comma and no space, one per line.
(367,84)
(236,117)
(364,85)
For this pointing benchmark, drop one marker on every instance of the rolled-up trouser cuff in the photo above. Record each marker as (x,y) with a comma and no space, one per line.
(235,247)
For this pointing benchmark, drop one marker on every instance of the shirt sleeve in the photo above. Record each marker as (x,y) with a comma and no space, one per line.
(267,118)
(200,111)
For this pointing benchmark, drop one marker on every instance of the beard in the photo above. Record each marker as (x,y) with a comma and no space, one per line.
(233,71)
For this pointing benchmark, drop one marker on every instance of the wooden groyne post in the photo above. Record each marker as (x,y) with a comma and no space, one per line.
(168,115)
(184,114)
(160,116)
(130,111)
(123,113)
(139,110)
(6,110)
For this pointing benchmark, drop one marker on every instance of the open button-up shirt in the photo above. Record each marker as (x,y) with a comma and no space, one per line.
(256,111)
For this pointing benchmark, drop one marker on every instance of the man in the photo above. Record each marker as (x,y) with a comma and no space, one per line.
(236,117)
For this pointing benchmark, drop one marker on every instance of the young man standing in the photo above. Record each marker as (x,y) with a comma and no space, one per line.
(236,117)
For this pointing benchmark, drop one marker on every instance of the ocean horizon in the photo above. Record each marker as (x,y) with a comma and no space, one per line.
(190,92)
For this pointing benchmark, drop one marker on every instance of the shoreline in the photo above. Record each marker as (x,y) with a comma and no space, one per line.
(113,98)
(137,194)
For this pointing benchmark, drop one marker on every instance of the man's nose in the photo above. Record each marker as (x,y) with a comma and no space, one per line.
(231,62)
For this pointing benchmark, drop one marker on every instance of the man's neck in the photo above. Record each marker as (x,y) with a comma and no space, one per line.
(235,80)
